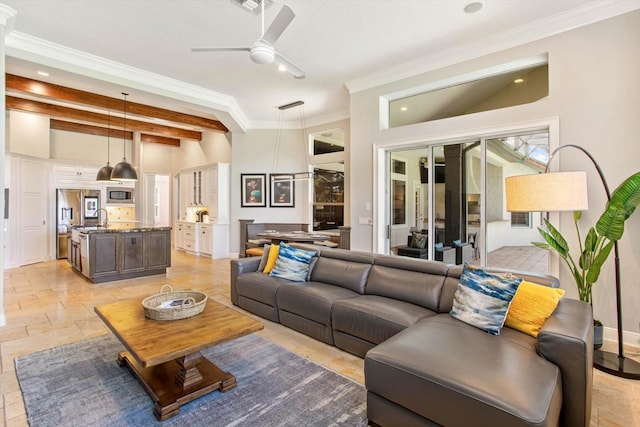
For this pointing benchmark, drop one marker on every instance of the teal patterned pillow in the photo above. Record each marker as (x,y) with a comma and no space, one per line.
(292,263)
(483,299)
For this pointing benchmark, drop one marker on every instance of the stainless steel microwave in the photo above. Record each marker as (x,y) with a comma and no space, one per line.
(120,196)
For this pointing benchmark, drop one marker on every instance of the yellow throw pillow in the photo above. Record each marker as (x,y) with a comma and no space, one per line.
(531,307)
(271,261)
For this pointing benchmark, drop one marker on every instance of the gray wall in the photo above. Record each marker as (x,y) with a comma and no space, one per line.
(595,93)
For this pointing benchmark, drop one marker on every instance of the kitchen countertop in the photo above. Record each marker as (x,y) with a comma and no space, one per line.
(119,228)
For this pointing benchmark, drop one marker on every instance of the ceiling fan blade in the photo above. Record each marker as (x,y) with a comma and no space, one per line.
(277,27)
(220,49)
(290,66)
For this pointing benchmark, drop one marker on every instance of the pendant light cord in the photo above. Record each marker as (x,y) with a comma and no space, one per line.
(124,127)
(108,136)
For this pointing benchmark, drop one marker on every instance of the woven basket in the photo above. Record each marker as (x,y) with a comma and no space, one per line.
(186,304)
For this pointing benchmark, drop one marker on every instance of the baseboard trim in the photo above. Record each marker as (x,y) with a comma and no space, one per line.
(631,339)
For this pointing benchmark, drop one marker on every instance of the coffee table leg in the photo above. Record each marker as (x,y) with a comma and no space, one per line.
(189,374)
(179,381)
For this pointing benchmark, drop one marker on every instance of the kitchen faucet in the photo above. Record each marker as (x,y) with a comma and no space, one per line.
(106,217)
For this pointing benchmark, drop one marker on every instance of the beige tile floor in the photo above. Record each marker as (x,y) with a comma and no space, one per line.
(47,305)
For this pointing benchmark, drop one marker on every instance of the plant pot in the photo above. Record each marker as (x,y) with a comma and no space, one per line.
(598,334)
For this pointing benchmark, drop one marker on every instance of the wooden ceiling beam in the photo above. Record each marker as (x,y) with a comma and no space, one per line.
(56,92)
(90,129)
(144,137)
(14,103)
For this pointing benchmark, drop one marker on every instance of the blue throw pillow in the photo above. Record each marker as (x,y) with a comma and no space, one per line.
(456,242)
(438,246)
(292,263)
(483,299)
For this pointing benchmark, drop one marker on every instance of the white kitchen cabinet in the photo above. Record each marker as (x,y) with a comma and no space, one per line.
(179,237)
(196,188)
(216,193)
(220,241)
(205,187)
(205,238)
(68,175)
(183,195)
(190,237)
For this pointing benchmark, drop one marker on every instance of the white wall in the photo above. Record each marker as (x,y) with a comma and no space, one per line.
(255,153)
(86,148)
(595,92)
(28,134)
(215,147)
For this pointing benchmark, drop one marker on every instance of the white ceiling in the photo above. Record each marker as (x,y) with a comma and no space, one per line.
(342,45)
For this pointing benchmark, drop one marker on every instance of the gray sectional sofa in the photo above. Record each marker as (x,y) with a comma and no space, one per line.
(422,366)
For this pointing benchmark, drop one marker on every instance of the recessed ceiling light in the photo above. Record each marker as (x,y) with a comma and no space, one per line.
(282,68)
(403,108)
(43,73)
(473,7)
(519,80)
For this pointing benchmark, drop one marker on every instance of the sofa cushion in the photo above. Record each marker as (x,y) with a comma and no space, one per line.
(343,268)
(410,280)
(482,298)
(531,307)
(292,263)
(259,287)
(455,374)
(375,318)
(311,300)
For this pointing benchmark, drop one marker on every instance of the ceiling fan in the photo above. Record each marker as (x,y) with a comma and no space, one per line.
(262,51)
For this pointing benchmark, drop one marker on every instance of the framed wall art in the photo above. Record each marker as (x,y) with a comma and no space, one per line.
(282,190)
(253,191)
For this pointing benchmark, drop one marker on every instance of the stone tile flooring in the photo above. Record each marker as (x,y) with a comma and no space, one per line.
(47,305)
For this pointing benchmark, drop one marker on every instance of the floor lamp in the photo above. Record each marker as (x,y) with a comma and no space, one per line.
(567,191)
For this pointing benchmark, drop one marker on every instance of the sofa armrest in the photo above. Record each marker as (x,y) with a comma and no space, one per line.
(238,267)
(566,339)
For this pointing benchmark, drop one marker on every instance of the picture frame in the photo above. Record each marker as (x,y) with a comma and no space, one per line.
(282,191)
(253,190)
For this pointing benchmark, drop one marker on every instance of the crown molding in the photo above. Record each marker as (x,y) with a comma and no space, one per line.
(588,14)
(7,17)
(295,124)
(29,48)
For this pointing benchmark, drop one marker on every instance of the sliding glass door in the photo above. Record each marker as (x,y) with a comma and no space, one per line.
(454,193)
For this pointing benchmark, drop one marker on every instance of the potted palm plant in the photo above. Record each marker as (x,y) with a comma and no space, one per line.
(598,242)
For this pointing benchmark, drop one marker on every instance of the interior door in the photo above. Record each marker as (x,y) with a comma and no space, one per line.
(33,212)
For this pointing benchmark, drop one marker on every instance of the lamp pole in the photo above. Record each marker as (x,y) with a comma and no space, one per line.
(611,363)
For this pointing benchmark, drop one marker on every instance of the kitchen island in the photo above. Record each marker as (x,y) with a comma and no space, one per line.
(117,252)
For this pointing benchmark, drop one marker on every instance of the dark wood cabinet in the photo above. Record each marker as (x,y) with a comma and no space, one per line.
(158,253)
(132,252)
(123,255)
(103,257)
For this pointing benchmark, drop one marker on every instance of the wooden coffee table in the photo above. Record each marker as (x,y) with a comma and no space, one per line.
(165,355)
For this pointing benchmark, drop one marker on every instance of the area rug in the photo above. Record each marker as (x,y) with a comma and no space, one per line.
(81,384)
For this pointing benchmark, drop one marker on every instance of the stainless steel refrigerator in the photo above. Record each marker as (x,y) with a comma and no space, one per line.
(74,207)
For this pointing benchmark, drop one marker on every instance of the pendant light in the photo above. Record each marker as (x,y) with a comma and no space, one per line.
(123,171)
(104,174)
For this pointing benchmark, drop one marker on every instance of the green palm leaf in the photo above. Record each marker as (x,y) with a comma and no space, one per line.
(623,203)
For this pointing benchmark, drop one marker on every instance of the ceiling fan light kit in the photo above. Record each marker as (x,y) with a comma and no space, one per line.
(262,51)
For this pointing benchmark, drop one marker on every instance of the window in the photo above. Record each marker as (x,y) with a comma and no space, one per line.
(328,142)
(520,219)
(505,86)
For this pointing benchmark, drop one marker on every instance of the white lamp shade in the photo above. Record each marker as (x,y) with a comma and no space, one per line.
(547,192)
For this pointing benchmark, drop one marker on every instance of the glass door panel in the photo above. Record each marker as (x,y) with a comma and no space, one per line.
(509,235)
